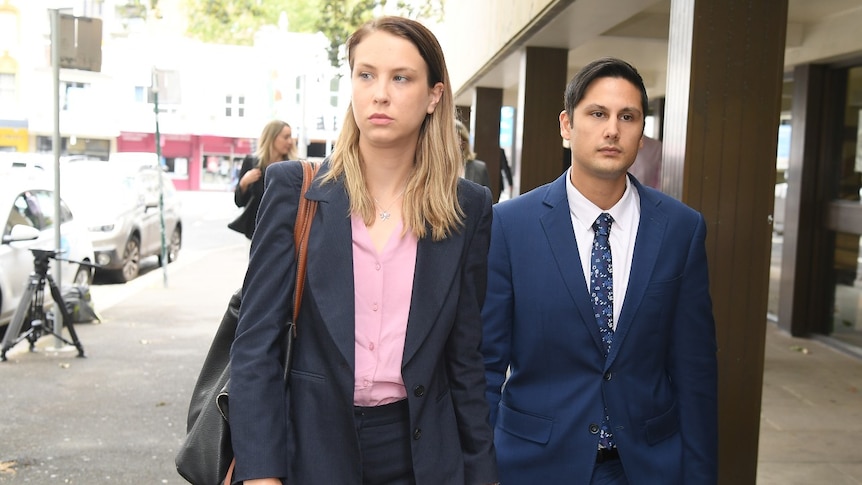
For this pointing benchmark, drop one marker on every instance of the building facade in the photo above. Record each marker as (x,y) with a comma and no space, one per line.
(213,100)
(751,100)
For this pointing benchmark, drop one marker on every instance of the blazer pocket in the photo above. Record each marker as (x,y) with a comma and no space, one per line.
(662,426)
(527,426)
(300,374)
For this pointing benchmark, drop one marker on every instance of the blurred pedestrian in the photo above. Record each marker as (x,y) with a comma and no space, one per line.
(276,144)
(474,170)
(386,385)
(647,165)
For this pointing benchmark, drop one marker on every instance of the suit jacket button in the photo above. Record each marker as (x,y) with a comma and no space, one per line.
(417,433)
(608,375)
(419,391)
(594,428)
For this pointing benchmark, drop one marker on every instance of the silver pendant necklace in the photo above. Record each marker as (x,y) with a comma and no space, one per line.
(384,213)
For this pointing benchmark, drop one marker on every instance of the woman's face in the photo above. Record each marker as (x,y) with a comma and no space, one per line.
(391,96)
(284,142)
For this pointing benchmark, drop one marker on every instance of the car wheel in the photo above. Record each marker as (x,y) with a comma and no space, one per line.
(131,261)
(83,277)
(174,246)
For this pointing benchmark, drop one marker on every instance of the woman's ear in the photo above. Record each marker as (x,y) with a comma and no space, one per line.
(436,94)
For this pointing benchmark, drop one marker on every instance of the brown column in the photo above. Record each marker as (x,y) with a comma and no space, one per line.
(486,132)
(801,292)
(539,149)
(720,139)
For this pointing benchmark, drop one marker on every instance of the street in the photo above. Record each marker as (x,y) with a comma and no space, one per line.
(118,415)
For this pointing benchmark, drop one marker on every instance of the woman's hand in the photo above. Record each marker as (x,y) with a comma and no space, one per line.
(249,178)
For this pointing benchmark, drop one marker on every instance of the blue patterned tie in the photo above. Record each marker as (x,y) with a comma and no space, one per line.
(602,293)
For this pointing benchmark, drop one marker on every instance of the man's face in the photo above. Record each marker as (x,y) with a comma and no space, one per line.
(605,130)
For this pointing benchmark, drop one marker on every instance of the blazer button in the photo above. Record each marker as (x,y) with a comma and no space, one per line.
(594,428)
(417,433)
(419,391)
(608,375)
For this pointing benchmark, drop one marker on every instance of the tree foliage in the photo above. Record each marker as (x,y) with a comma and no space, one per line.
(236,21)
(339,18)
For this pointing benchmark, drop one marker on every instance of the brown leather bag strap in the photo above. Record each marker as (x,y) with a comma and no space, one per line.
(304,216)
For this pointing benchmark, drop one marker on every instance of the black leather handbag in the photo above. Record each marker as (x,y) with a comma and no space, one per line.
(206,456)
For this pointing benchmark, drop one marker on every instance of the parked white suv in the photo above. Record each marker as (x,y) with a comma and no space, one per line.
(119,202)
(27,205)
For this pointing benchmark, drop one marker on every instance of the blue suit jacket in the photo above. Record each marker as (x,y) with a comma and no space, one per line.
(307,434)
(659,380)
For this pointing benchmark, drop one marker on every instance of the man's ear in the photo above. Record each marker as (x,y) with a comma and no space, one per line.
(565,125)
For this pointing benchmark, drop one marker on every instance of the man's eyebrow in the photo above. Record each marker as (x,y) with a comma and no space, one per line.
(601,107)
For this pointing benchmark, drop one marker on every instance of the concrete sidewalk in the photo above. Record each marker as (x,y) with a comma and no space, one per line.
(811,413)
(119,415)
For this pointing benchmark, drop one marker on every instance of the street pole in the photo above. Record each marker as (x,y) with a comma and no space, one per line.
(55,145)
(164,252)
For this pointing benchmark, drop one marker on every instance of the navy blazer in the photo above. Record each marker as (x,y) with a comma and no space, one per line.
(307,433)
(659,380)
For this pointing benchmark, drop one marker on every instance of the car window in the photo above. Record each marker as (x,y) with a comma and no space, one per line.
(45,201)
(25,211)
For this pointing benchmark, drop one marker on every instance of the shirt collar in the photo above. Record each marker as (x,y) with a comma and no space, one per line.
(585,212)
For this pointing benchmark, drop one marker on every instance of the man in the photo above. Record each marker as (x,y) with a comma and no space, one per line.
(613,394)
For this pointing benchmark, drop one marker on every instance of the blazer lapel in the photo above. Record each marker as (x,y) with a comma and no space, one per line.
(648,242)
(557,224)
(432,282)
(330,264)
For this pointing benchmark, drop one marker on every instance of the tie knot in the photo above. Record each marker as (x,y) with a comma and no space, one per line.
(603,224)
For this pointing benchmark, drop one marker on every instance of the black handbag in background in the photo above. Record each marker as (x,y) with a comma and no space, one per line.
(206,455)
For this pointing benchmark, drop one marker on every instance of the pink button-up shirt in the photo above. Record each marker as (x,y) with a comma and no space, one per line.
(384,287)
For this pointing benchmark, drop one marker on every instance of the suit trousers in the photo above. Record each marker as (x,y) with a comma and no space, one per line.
(384,444)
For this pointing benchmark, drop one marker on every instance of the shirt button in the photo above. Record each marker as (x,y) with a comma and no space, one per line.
(374,307)
(371,346)
(594,428)
(377,266)
(417,433)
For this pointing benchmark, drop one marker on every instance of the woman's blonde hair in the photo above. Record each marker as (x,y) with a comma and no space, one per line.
(431,196)
(464,137)
(265,152)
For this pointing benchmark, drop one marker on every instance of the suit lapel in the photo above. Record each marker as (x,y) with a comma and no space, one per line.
(330,264)
(648,242)
(557,224)
(432,283)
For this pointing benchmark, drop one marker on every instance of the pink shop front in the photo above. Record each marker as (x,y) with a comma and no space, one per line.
(195,162)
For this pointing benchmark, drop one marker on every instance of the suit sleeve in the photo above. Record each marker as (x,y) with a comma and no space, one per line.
(464,357)
(497,315)
(693,366)
(240,197)
(258,413)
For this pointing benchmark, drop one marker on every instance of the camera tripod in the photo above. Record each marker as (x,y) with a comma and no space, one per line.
(31,308)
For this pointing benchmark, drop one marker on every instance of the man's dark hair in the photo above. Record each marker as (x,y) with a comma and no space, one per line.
(604,67)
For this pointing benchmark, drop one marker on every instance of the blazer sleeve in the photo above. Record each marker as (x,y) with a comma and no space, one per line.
(693,365)
(240,197)
(464,357)
(497,315)
(258,415)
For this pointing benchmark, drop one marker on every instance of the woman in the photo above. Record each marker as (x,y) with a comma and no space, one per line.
(276,143)
(474,170)
(387,380)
